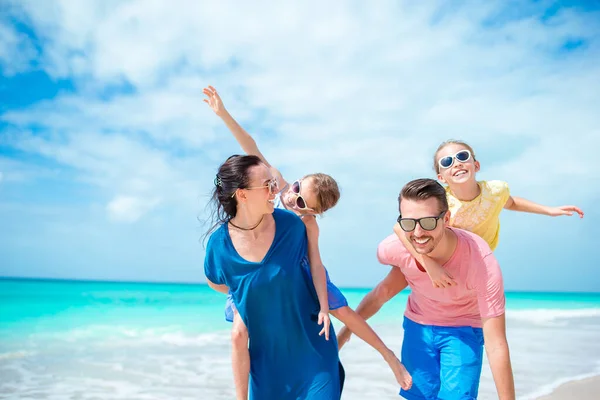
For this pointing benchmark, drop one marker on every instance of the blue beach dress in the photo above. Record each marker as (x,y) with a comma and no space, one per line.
(334,295)
(279,306)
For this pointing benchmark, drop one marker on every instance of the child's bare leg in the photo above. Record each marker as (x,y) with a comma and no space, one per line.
(361,328)
(240,357)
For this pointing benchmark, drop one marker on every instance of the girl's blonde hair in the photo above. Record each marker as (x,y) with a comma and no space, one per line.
(326,190)
(436,165)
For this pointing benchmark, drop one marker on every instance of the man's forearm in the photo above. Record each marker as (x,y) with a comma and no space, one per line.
(499,358)
(370,304)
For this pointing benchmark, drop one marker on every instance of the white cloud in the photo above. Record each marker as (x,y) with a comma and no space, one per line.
(129,208)
(16,50)
(361,92)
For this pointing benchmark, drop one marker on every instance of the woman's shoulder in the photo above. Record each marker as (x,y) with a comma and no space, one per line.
(287,218)
(217,238)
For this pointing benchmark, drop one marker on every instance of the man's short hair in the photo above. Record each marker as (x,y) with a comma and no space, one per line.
(423,189)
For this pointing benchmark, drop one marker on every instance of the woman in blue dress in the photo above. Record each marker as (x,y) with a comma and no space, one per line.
(307,197)
(256,253)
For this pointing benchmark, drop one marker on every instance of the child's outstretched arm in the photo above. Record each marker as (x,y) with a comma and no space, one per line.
(247,143)
(317,270)
(440,278)
(520,204)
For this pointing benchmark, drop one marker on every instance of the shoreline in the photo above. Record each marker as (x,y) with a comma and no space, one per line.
(584,387)
(42,279)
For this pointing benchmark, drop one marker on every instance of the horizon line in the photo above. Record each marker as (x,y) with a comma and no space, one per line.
(197,283)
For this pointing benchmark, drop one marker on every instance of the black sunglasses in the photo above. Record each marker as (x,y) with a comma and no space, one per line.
(427,223)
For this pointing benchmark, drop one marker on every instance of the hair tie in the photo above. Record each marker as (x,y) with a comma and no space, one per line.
(218,181)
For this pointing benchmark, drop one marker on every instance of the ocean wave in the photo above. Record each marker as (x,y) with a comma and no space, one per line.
(545,315)
(15,354)
(172,335)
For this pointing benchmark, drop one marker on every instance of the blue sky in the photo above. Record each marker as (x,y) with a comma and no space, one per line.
(107,152)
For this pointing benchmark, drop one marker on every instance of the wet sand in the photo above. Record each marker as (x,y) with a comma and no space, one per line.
(585,389)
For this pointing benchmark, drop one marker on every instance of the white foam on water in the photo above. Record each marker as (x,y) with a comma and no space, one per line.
(128,362)
(118,335)
(15,354)
(547,315)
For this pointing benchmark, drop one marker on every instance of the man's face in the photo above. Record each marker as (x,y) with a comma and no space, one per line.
(423,241)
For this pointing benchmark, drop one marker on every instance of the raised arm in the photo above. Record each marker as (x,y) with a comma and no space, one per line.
(496,349)
(317,271)
(520,204)
(246,142)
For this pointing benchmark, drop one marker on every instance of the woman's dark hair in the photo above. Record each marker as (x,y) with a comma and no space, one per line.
(233,174)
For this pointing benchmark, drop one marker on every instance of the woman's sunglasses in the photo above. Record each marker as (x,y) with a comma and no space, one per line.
(272,185)
(300,202)
(462,156)
(427,223)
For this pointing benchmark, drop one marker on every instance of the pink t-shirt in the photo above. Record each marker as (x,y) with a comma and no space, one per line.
(479,293)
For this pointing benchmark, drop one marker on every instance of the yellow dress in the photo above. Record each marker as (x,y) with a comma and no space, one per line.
(482,214)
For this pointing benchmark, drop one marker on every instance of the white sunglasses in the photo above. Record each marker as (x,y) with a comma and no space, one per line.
(448,161)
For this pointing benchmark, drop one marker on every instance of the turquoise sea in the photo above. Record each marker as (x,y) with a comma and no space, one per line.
(104,340)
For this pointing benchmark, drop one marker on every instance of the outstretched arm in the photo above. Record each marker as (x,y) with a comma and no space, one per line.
(317,270)
(247,142)
(524,205)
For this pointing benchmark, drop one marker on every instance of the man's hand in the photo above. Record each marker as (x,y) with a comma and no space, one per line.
(214,101)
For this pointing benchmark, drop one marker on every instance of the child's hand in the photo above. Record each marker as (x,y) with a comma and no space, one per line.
(439,277)
(343,337)
(214,101)
(564,210)
(325,321)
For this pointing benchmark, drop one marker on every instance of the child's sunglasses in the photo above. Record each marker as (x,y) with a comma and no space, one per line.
(462,156)
(300,202)
(427,223)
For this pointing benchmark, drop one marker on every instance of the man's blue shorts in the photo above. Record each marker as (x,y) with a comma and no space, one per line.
(445,362)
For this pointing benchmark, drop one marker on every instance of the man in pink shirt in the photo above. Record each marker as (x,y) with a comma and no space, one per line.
(444,329)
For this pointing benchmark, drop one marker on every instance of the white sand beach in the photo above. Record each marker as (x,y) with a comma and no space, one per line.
(585,389)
